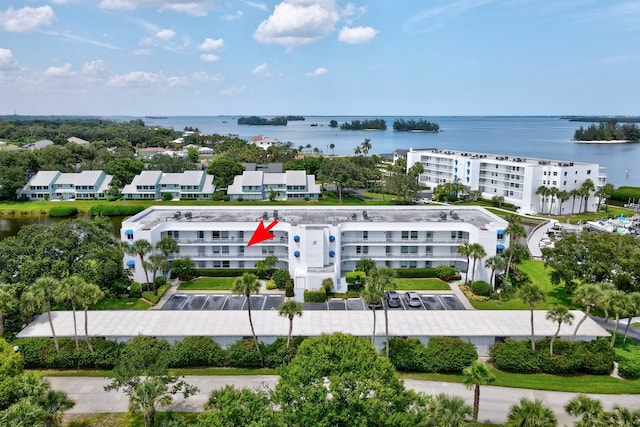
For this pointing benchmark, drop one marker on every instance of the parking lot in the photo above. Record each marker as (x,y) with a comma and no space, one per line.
(180,301)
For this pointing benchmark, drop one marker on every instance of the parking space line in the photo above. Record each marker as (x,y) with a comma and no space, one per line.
(185,301)
(441,303)
(226,298)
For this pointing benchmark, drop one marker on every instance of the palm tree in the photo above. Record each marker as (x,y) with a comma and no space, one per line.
(474,376)
(633,308)
(24,412)
(531,294)
(366,146)
(618,303)
(605,192)
(141,248)
(8,302)
(563,196)
(382,279)
(66,292)
(38,298)
(54,403)
(585,191)
(290,309)
(450,411)
(542,192)
(246,285)
(559,314)
(372,297)
(605,298)
(589,410)
(477,252)
(465,251)
(494,263)
(88,294)
(157,262)
(515,230)
(553,192)
(167,245)
(573,193)
(531,413)
(357,151)
(625,417)
(586,295)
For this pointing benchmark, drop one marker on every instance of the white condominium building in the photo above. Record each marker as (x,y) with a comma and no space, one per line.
(517,179)
(319,242)
(55,185)
(259,185)
(196,185)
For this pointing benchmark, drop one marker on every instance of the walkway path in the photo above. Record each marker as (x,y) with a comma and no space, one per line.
(495,402)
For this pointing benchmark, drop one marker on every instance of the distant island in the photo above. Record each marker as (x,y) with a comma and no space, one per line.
(609,131)
(597,119)
(401,125)
(376,124)
(261,121)
(295,118)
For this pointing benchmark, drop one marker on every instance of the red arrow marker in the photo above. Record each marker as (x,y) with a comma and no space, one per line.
(262,233)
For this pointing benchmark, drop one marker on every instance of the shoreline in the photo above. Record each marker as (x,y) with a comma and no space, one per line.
(613,141)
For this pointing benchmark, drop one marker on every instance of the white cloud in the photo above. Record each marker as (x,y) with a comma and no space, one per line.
(27,19)
(94,67)
(260,6)
(233,17)
(165,34)
(141,52)
(7,61)
(260,69)
(177,81)
(135,78)
(233,90)
(298,22)
(431,18)
(64,71)
(201,76)
(356,35)
(209,57)
(211,44)
(194,7)
(317,72)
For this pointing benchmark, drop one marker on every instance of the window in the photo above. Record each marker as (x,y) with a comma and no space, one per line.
(403,264)
(201,250)
(200,234)
(241,249)
(224,234)
(225,249)
(217,264)
(387,264)
(365,249)
(404,249)
(413,264)
(225,264)
(565,173)
(555,173)
(215,234)
(405,235)
(240,235)
(414,235)
(358,249)
(429,234)
(216,249)
(387,249)
(365,235)
(589,172)
(388,234)
(413,249)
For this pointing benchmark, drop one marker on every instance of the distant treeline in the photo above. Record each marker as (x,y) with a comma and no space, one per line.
(255,120)
(594,119)
(295,118)
(608,131)
(378,124)
(402,125)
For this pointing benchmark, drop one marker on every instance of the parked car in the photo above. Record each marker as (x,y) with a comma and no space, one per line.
(413,299)
(393,299)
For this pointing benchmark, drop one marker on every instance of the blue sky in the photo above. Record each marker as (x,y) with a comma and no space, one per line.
(320,57)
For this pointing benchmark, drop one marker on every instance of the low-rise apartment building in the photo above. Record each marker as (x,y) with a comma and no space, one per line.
(517,179)
(195,185)
(55,185)
(317,243)
(260,185)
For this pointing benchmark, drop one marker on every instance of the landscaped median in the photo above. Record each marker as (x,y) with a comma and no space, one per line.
(208,284)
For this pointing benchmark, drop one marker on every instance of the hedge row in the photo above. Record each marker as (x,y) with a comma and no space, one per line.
(623,194)
(593,357)
(115,210)
(40,353)
(152,297)
(63,211)
(416,273)
(315,296)
(223,272)
(441,354)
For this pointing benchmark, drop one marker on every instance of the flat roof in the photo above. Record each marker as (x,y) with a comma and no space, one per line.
(501,157)
(473,215)
(161,323)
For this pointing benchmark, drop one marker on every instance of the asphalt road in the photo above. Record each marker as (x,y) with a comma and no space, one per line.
(495,402)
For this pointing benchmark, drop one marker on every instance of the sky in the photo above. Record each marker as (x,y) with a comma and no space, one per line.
(320,57)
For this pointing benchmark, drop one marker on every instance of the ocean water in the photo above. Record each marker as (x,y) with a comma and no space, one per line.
(531,137)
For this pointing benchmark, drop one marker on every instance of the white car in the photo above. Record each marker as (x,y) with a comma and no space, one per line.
(413,299)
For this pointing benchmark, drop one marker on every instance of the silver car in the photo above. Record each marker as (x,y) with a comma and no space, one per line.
(413,299)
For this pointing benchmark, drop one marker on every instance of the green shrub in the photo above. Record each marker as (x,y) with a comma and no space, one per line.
(270,285)
(289,291)
(135,290)
(196,351)
(243,354)
(625,193)
(446,273)
(403,353)
(629,369)
(153,297)
(315,296)
(40,353)
(115,210)
(222,272)
(514,356)
(480,287)
(416,273)
(355,279)
(277,354)
(281,277)
(63,211)
(441,354)
(167,197)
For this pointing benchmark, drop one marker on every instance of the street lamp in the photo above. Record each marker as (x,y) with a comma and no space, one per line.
(498,292)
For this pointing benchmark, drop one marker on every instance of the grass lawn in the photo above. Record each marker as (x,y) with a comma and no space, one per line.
(208,284)
(612,211)
(540,276)
(570,383)
(121,304)
(127,420)
(430,284)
